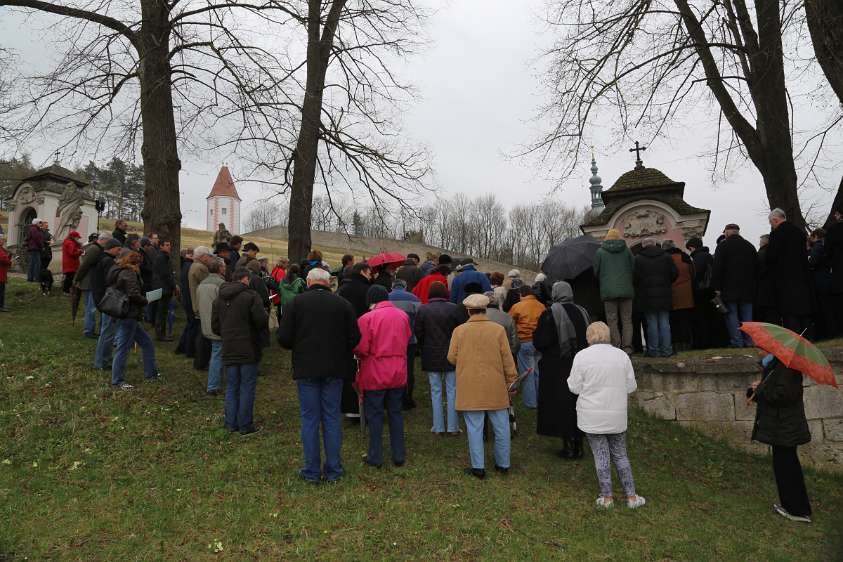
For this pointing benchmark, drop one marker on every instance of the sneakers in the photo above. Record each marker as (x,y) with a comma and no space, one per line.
(123,386)
(604,502)
(787,515)
(501,469)
(634,502)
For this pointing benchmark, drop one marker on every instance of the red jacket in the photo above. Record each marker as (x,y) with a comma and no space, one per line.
(278,273)
(5,262)
(71,249)
(423,287)
(382,351)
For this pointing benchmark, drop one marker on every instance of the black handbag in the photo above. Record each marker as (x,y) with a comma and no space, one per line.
(115,303)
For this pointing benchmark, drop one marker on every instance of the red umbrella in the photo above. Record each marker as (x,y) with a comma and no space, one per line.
(792,350)
(387,258)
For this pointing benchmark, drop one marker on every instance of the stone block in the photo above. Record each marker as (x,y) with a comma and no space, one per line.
(656,404)
(705,406)
(833,429)
(743,411)
(816,429)
(823,401)
(736,433)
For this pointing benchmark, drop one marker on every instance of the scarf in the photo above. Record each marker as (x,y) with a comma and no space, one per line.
(562,294)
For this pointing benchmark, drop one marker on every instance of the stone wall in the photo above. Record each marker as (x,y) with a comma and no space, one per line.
(709,395)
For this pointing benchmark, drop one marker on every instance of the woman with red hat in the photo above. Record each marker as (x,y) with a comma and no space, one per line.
(71,250)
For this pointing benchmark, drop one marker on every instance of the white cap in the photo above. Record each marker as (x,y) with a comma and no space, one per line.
(513,273)
(200,251)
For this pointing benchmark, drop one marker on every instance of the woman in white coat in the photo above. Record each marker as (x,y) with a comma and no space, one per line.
(602,376)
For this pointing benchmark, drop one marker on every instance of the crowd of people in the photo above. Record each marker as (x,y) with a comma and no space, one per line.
(355,334)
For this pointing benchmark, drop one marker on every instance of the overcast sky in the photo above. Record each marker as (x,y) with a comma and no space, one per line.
(479,92)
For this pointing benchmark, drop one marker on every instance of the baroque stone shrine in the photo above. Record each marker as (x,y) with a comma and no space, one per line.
(56,195)
(644,203)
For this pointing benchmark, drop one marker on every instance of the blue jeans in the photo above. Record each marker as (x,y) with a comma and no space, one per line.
(319,404)
(474,422)
(528,358)
(738,312)
(215,366)
(374,402)
(90,327)
(658,333)
(240,396)
(105,343)
(34,271)
(450,380)
(130,332)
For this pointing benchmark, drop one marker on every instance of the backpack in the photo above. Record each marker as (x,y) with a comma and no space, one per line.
(288,291)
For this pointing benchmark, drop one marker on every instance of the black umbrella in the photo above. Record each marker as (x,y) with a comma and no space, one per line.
(570,258)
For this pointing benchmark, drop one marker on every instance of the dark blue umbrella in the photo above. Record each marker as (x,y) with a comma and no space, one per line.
(570,258)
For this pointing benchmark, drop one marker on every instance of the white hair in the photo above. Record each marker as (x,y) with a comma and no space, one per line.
(598,332)
(647,242)
(778,213)
(36,221)
(103,236)
(200,251)
(318,275)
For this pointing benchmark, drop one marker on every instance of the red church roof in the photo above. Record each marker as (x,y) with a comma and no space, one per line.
(224,185)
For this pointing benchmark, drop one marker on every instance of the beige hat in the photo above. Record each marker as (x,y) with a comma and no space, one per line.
(476,302)
(513,273)
(613,234)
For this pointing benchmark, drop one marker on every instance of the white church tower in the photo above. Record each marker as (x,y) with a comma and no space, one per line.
(223,203)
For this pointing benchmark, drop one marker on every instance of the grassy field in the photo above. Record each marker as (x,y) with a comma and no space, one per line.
(87,473)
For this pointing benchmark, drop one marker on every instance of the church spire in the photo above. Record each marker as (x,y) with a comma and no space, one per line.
(596,186)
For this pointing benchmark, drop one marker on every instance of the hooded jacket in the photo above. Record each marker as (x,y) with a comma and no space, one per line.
(71,250)
(422,288)
(654,275)
(780,416)
(239,317)
(614,265)
(409,303)
(354,291)
(382,350)
(468,274)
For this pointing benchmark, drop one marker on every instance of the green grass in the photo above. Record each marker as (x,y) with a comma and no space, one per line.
(91,474)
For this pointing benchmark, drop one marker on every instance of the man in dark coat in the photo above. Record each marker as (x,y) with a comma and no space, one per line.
(120,228)
(165,279)
(354,290)
(187,341)
(780,422)
(787,258)
(834,250)
(654,275)
(435,323)
(734,278)
(709,328)
(321,330)
(149,252)
(82,279)
(764,309)
(238,317)
(819,263)
(410,272)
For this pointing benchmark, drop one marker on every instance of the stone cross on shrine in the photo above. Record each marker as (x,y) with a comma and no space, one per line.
(637,150)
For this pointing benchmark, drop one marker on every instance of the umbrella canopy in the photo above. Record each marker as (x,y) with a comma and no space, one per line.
(387,258)
(792,350)
(75,296)
(570,258)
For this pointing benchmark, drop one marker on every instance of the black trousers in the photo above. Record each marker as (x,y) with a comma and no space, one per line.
(790,481)
(161,313)
(798,324)
(202,352)
(67,283)
(3,295)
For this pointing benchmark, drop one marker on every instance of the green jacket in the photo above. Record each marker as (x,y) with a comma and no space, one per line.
(613,266)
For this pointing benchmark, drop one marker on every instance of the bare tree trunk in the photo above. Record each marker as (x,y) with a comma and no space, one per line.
(161,211)
(307,145)
(825,23)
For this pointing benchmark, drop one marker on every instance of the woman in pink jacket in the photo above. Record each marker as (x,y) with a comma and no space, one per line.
(382,352)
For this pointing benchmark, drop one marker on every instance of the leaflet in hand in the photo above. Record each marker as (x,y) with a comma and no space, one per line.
(152,296)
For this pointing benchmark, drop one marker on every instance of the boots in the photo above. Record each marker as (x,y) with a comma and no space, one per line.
(567,449)
(578,452)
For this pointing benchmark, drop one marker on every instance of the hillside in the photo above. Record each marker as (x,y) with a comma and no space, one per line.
(364,247)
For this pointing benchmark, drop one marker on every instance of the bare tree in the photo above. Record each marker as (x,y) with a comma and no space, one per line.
(266,214)
(126,63)
(649,61)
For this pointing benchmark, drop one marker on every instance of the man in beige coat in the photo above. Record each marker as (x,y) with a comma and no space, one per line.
(485,370)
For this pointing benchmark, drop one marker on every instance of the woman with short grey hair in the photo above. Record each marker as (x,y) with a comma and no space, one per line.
(602,376)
